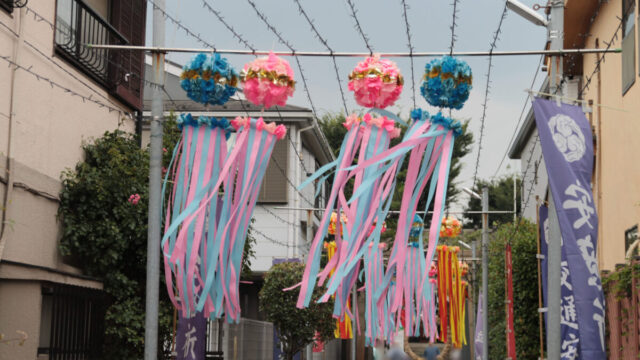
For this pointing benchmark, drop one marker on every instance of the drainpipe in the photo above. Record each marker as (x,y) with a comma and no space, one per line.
(6,202)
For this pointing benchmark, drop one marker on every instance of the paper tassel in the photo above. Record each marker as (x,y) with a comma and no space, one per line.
(210,210)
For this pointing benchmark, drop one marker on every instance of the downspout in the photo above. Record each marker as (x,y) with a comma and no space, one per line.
(9,162)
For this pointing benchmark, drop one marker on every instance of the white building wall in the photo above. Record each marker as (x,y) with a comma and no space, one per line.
(534,175)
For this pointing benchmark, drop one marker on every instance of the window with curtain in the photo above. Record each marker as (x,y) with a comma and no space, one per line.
(628,44)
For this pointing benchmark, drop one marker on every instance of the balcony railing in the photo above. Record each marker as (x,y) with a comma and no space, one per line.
(77,24)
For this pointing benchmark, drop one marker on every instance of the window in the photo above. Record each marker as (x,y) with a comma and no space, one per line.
(628,44)
(275,181)
(71,322)
(7,5)
(630,237)
(119,71)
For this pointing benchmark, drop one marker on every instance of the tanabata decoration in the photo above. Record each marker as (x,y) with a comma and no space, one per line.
(210,208)
(209,79)
(344,328)
(366,138)
(376,83)
(452,293)
(447,82)
(268,81)
(377,320)
(450,227)
(429,144)
(334,224)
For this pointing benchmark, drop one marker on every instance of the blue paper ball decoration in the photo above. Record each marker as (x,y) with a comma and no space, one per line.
(209,79)
(447,82)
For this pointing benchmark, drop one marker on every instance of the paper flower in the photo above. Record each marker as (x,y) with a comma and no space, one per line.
(268,81)
(333,223)
(376,82)
(417,226)
(278,130)
(380,122)
(450,227)
(209,79)
(447,82)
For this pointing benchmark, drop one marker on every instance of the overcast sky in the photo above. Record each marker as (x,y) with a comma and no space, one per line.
(382,21)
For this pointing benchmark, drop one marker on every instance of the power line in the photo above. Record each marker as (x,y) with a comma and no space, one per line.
(408,31)
(358,27)
(326,45)
(217,13)
(492,46)
(62,87)
(290,47)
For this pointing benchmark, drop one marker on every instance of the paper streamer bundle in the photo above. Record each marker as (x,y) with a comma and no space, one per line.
(209,211)
(452,292)
(344,329)
(365,138)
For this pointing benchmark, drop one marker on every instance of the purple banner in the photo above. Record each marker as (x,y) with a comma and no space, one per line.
(567,146)
(479,338)
(191,337)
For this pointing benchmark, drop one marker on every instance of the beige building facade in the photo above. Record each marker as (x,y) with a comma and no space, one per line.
(613,85)
(54,96)
(610,83)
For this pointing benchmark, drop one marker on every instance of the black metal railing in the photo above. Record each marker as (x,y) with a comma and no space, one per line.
(76,25)
(7,5)
(75,321)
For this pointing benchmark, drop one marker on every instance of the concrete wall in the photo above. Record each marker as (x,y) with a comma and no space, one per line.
(42,129)
(20,310)
(534,175)
(617,178)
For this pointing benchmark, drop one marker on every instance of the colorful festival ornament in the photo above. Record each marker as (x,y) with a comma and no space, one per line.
(428,143)
(376,82)
(452,294)
(344,329)
(209,210)
(268,81)
(209,79)
(447,82)
(450,227)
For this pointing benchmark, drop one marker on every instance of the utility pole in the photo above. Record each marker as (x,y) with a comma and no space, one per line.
(155,189)
(485,272)
(556,36)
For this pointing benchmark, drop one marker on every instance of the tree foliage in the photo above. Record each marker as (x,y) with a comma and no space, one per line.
(523,240)
(105,235)
(500,198)
(296,327)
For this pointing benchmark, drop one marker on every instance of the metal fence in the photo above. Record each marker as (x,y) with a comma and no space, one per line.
(248,340)
(73,319)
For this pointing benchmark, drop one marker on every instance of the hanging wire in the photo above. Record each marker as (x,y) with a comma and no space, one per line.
(410,45)
(496,35)
(62,87)
(524,107)
(453,26)
(358,27)
(178,23)
(217,13)
(600,60)
(282,171)
(263,17)
(326,45)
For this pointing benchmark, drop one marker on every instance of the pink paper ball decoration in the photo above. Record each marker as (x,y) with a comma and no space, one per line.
(376,82)
(268,81)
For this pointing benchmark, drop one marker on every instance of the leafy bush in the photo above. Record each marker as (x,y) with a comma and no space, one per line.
(296,327)
(105,234)
(525,290)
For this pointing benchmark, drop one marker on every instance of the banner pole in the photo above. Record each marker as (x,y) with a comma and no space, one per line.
(540,322)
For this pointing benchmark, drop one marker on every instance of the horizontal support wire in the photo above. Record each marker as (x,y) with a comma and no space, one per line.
(358,54)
